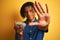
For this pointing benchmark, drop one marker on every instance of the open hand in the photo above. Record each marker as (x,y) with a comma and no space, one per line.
(43,17)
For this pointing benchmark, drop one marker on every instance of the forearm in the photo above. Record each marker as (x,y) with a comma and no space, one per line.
(43,28)
(20,37)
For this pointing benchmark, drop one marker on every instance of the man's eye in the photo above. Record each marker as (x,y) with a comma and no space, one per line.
(32,10)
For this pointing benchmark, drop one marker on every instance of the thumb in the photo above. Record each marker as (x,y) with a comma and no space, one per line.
(33,24)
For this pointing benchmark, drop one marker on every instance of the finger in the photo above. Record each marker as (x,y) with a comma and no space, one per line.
(38,7)
(46,8)
(41,7)
(33,24)
(37,11)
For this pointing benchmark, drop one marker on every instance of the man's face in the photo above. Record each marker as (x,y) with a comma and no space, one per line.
(30,13)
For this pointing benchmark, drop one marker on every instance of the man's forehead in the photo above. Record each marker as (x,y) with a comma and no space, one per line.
(28,7)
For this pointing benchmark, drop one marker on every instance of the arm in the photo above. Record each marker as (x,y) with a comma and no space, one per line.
(43,17)
(45,29)
(19,30)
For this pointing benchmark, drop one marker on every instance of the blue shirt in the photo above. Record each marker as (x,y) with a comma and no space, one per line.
(31,32)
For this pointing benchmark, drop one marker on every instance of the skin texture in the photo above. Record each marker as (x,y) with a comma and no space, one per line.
(43,18)
(30,13)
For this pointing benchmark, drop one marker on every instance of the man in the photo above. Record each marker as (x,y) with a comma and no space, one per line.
(34,29)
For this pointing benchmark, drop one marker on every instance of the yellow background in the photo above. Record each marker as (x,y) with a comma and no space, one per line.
(9,13)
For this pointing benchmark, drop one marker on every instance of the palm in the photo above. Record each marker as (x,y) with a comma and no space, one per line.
(43,17)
